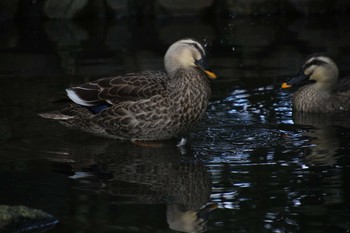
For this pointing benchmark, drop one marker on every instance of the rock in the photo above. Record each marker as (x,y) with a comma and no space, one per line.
(175,29)
(8,9)
(5,130)
(119,7)
(257,7)
(308,7)
(21,218)
(184,7)
(63,9)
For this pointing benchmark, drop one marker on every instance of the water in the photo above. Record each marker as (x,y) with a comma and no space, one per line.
(267,169)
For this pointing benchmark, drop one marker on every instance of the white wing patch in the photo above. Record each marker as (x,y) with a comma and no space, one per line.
(76,98)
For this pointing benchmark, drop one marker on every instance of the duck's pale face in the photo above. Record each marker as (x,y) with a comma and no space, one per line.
(321,69)
(184,54)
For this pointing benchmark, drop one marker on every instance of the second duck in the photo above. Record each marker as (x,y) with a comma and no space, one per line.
(319,89)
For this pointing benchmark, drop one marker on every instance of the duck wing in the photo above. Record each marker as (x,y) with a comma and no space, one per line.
(113,90)
(143,119)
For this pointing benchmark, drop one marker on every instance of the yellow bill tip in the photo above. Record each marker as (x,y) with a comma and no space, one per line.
(211,74)
(285,85)
(213,206)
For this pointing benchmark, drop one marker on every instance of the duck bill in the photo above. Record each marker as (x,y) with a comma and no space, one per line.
(285,85)
(210,74)
(297,80)
(201,64)
(204,212)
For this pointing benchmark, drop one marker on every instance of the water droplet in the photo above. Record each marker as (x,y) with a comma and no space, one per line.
(206,42)
(233,48)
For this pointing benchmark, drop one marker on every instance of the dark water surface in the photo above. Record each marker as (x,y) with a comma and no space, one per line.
(267,169)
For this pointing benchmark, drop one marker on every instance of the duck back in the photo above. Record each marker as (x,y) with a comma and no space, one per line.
(310,99)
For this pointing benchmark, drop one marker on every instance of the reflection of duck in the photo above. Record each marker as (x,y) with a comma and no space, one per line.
(148,175)
(143,106)
(183,187)
(321,90)
(182,219)
(325,152)
(322,135)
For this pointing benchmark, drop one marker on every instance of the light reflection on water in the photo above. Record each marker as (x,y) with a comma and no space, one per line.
(267,169)
(268,164)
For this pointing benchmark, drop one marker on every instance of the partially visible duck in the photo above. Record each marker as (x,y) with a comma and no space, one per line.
(320,90)
(150,105)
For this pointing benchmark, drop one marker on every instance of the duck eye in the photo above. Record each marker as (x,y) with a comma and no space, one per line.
(195,45)
(199,49)
(315,62)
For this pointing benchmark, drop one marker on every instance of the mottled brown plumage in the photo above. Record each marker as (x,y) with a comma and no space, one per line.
(143,106)
(321,91)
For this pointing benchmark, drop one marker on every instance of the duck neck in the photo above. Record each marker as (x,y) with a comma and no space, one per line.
(326,79)
(323,87)
(189,94)
(190,85)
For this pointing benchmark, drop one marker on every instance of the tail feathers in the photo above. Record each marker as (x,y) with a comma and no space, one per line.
(56,116)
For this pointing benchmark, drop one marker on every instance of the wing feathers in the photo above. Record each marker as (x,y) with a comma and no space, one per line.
(113,90)
(83,96)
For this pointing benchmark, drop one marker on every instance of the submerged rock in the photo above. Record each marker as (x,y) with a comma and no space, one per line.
(21,219)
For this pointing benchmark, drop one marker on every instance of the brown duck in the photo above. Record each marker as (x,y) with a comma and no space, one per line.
(150,105)
(319,89)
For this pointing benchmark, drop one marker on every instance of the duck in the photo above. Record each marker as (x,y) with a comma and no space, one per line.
(143,106)
(319,90)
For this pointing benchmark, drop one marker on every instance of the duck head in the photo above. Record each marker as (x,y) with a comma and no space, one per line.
(186,53)
(318,69)
(187,220)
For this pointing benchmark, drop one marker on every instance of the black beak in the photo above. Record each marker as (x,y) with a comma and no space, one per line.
(298,80)
(205,211)
(202,65)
